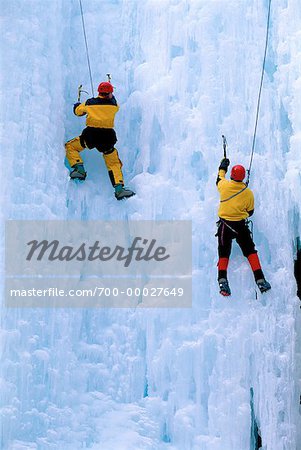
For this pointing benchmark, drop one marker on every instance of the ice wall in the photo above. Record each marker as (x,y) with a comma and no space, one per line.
(185,72)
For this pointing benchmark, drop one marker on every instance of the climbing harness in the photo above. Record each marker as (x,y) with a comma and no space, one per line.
(86,44)
(221,222)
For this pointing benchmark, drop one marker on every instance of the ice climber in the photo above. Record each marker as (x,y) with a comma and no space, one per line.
(236,205)
(100,134)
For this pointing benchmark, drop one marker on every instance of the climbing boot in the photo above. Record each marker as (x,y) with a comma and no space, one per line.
(78,172)
(263,285)
(121,192)
(224,288)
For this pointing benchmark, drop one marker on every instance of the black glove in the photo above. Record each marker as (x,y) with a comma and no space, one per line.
(75,106)
(224,164)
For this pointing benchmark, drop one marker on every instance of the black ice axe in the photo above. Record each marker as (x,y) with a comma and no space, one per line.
(224,145)
(79,91)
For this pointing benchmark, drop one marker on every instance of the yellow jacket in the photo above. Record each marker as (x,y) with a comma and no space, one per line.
(100,111)
(239,207)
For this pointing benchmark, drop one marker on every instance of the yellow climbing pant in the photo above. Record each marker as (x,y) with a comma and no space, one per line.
(73,148)
(113,163)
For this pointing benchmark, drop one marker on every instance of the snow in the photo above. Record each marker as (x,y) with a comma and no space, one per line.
(185,72)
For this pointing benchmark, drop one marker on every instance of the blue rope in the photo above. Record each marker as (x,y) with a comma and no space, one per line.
(86,43)
(260,89)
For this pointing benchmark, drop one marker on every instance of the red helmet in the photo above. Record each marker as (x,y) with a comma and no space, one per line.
(238,173)
(105,88)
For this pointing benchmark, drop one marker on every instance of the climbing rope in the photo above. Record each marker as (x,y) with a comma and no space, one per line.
(86,43)
(260,89)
